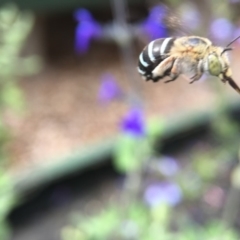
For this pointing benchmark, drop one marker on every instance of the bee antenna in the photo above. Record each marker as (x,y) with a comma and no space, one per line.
(232,41)
(226,49)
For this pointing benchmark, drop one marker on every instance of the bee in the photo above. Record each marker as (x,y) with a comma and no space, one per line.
(170,57)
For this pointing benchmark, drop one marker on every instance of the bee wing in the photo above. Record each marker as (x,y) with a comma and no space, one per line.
(194,17)
(175,23)
(181,19)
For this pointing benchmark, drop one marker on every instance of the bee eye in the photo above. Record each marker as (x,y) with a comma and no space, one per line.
(214,65)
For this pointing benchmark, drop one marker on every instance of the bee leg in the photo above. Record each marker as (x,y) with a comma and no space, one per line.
(174,72)
(150,77)
(173,78)
(195,78)
(173,75)
(162,70)
(156,79)
(199,73)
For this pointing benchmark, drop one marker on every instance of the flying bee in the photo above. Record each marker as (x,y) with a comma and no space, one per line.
(170,57)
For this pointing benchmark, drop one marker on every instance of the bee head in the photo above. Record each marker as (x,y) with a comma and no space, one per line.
(217,62)
(218,66)
(214,63)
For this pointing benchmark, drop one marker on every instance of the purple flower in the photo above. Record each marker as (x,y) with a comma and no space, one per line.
(163,193)
(134,123)
(221,29)
(109,88)
(153,26)
(86,30)
(83,15)
(168,166)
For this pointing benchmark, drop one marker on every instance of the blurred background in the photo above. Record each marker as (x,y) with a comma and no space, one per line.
(89,150)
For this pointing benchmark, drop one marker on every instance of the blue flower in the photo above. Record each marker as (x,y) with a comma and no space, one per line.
(86,30)
(168,166)
(163,193)
(109,89)
(134,123)
(153,26)
(221,29)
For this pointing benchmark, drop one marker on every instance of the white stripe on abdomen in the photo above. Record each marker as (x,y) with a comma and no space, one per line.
(164,45)
(141,71)
(145,64)
(150,51)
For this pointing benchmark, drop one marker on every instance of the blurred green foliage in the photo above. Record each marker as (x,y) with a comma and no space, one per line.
(131,153)
(132,218)
(141,223)
(14,29)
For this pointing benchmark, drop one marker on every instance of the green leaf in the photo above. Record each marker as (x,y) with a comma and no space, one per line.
(139,213)
(217,230)
(8,14)
(155,128)
(224,128)
(205,166)
(126,157)
(191,185)
(72,233)
(101,225)
(12,96)
(161,214)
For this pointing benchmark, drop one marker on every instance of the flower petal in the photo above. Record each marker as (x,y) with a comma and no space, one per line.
(134,123)
(86,30)
(109,89)
(163,192)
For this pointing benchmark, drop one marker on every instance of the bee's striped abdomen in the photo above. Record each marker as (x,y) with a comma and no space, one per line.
(153,54)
